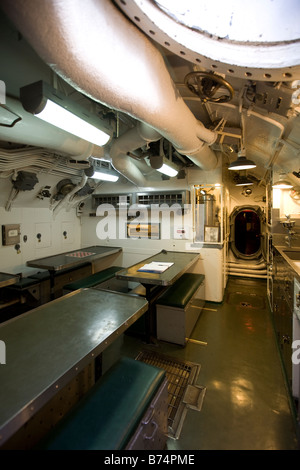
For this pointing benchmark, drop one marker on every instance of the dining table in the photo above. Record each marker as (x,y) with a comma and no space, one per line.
(72,259)
(156,282)
(7,279)
(48,346)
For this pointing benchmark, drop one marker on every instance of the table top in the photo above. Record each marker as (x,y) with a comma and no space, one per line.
(48,346)
(8,279)
(182,262)
(73,258)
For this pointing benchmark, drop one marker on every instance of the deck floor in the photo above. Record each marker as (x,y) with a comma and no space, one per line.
(246,404)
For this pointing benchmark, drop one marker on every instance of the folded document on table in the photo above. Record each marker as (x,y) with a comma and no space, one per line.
(155,267)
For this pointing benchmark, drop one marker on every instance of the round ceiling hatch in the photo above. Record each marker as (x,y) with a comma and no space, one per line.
(258,40)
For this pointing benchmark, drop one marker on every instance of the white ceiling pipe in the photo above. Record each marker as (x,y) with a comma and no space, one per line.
(131,140)
(102,54)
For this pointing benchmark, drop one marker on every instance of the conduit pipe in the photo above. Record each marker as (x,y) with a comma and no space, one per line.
(33,159)
(233,265)
(259,276)
(247,271)
(102,54)
(131,140)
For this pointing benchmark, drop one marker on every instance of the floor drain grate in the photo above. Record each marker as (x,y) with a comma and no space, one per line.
(182,391)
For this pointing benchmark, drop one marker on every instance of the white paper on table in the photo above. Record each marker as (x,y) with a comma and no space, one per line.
(155,267)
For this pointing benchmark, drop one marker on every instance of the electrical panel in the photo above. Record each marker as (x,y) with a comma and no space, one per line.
(10,234)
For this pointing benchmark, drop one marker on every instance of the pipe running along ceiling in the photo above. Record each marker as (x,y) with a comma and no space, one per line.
(101,54)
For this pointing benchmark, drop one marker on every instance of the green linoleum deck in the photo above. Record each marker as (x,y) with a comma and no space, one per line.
(246,405)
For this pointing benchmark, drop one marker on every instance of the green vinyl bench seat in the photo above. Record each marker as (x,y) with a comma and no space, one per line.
(108,416)
(41,275)
(181,292)
(93,280)
(179,307)
(24,284)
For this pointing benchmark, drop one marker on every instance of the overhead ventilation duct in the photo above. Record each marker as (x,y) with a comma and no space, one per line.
(131,140)
(102,54)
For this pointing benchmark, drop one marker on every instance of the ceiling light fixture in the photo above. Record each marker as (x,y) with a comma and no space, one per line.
(163,165)
(101,175)
(243,181)
(242,163)
(50,105)
(102,170)
(166,169)
(282,183)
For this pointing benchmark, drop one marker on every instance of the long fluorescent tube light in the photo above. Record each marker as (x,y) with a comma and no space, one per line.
(167,170)
(163,165)
(69,122)
(100,175)
(56,109)
(243,181)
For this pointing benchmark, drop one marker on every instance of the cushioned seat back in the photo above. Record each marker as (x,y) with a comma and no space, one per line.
(180,293)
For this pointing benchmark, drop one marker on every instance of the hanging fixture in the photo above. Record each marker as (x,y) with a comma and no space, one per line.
(242,179)
(102,170)
(103,176)
(163,165)
(50,105)
(282,183)
(242,163)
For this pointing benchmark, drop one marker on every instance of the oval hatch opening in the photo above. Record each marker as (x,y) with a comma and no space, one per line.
(246,233)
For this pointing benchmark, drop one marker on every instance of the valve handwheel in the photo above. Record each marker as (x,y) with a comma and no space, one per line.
(206,85)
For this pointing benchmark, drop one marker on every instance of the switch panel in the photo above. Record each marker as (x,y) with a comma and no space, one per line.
(10,234)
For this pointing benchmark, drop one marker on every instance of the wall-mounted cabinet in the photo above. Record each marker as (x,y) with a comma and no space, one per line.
(283,277)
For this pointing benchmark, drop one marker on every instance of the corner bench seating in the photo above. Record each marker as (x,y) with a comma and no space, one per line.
(93,280)
(126,409)
(179,307)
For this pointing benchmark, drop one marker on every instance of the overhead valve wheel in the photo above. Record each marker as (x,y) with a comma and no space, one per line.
(206,85)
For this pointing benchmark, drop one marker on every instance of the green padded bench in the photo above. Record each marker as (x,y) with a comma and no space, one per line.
(93,280)
(24,284)
(126,409)
(179,307)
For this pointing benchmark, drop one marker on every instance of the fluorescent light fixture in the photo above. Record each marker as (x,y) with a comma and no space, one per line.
(242,163)
(101,175)
(166,169)
(53,107)
(243,181)
(163,165)
(282,183)
(102,171)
